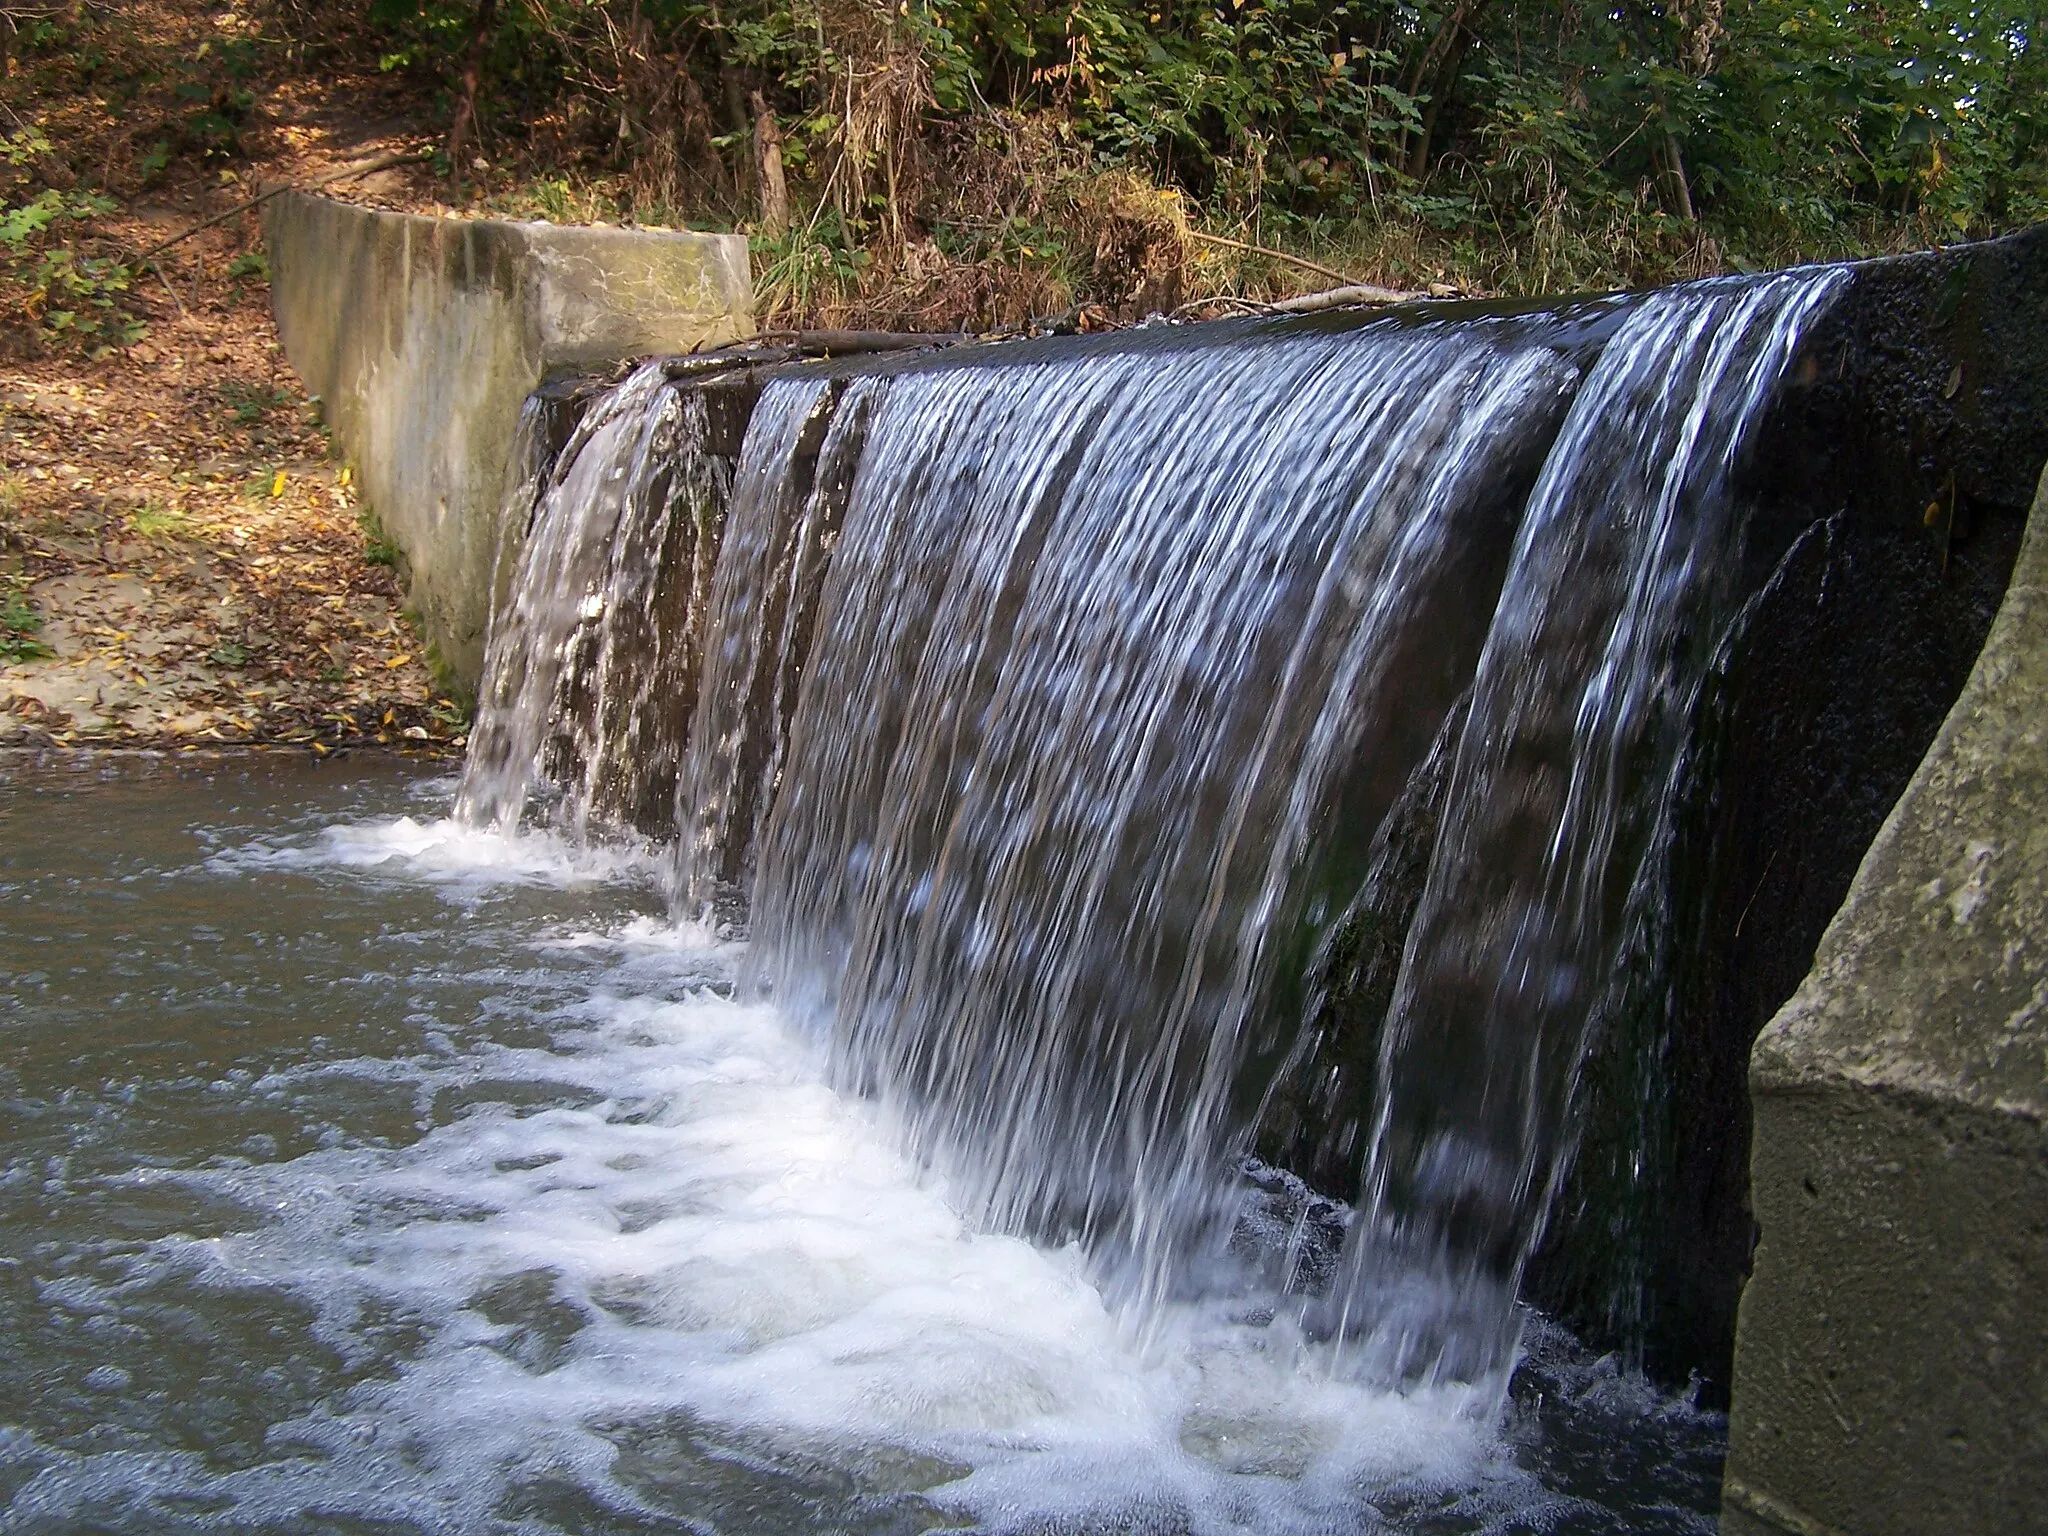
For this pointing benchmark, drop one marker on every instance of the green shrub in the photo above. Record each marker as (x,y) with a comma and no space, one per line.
(50,285)
(19,624)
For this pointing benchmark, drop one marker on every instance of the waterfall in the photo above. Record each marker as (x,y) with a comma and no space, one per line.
(1048,709)
(792,488)
(591,661)
(1620,586)
(1101,644)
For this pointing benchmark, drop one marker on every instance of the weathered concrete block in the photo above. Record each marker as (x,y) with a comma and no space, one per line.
(423,336)
(1891,1367)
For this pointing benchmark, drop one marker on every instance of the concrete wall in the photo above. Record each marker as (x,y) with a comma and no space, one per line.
(1891,1368)
(423,336)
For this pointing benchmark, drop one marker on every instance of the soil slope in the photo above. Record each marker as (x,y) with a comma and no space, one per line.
(182,562)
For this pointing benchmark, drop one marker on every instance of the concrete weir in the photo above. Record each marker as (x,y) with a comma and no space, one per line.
(1863,791)
(423,336)
(1891,1367)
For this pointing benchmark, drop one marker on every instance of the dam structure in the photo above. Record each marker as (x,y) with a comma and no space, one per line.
(1307,815)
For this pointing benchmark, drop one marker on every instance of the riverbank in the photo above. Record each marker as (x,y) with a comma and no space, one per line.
(183,563)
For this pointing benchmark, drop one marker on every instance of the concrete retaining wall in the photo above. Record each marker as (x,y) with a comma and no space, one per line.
(423,336)
(1891,1368)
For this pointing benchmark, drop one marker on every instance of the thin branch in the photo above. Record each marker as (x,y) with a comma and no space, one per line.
(382,163)
(864,341)
(472,77)
(1265,250)
(1337,298)
(157,268)
(1352,294)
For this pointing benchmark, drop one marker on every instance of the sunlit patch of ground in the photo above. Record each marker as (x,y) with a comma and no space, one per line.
(185,564)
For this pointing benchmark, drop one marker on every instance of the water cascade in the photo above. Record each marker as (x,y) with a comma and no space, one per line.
(1620,588)
(595,652)
(1152,613)
(794,483)
(1046,708)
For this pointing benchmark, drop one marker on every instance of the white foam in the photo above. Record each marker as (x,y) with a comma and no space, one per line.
(444,851)
(699,1231)
(663,1230)
(651,936)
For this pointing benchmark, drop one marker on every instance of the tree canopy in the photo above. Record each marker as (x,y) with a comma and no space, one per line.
(1521,143)
(936,163)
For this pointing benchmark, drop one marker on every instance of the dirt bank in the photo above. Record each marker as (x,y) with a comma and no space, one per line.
(182,563)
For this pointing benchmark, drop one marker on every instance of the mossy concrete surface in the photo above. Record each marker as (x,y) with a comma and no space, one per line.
(1891,1365)
(423,336)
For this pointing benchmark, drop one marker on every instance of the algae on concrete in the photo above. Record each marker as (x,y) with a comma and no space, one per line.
(423,336)
(1891,1369)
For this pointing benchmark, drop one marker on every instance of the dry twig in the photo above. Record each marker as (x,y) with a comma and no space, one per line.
(1268,252)
(382,163)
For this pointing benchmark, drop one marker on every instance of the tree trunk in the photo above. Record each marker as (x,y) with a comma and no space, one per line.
(768,168)
(699,133)
(1699,31)
(1448,41)
(472,78)
(1446,82)
(1674,191)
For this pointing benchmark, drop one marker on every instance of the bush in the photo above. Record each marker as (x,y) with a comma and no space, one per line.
(1513,144)
(51,288)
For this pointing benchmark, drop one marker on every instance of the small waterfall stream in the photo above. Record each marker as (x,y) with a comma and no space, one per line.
(794,483)
(1622,582)
(1040,704)
(595,654)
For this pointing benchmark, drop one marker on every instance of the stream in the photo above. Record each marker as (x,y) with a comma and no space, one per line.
(366,1172)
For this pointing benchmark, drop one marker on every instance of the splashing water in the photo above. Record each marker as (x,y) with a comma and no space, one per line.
(463,1195)
(597,648)
(804,446)
(1040,706)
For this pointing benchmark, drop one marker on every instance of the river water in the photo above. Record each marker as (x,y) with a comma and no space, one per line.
(364,1172)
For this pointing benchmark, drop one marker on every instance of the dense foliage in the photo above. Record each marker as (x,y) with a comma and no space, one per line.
(947,162)
(98,111)
(1505,142)
(49,285)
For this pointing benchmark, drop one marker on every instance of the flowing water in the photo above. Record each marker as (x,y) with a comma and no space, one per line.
(594,648)
(367,1172)
(805,1075)
(1620,587)
(1100,644)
